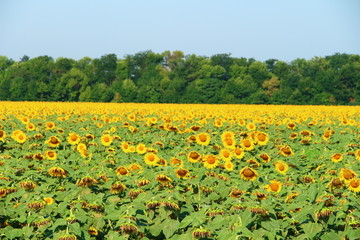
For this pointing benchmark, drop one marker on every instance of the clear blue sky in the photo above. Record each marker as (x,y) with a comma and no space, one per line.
(262,29)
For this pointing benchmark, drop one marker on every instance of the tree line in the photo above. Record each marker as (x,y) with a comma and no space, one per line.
(172,77)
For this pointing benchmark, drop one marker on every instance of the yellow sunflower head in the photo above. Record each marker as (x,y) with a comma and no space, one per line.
(247,173)
(337,157)
(281,167)
(274,186)
(106,139)
(73,138)
(354,185)
(151,159)
(225,154)
(203,139)
(210,161)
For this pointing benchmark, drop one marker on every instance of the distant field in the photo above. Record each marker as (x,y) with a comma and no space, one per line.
(164,171)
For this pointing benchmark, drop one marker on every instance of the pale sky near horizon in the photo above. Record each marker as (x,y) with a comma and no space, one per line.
(260,29)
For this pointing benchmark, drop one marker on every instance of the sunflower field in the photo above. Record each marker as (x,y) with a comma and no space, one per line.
(163,171)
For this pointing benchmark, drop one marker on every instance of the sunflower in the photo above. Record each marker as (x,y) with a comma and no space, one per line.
(251,126)
(293,135)
(182,173)
(125,147)
(106,139)
(357,154)
(73,138)
(262,138)
(30,127)
(93,231)
(291,125)
(210,161)
(305,133)
(253,163)
(136,168)
(337,157)
(229,166)
(86,181)
(239,153)
(2,135)
(286,151)
(49,200)
(327,134)
(229,143)
(53,141)
(354,185)
(194,157)
(347,174)
(122,171)
(117,188)
(227,135)
(24,120)
(176,162)
(141,148)
(19,136)
(203,139)
(247,173)
(81,147)
(265,157)
(218,122)
(49,125)
(225,154)
(57,172)
(274,186)
(281,167)
(151,159)
(163,178)
(247,144)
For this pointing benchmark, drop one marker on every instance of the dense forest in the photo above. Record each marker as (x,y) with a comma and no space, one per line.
(172,77)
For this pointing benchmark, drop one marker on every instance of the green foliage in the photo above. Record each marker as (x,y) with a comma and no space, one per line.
(172,77)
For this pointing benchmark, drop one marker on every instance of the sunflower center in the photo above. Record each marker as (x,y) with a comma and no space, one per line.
(181,172)
(247,143)
(73,137)
(287,151)
(238,151)
(53,140)
(226,154)
(248,173)
(194,155)
(106,139)
(229,141)
(123,171)
(51,154)
(264,157)
(211,160)
(261,137)
(337,156)
(355,184)
(202,138)
(281,167)
(151,158)
(274,187)
(348,175)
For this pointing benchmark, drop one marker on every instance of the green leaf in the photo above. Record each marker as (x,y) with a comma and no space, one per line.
(331,236)
(169,227)
(186,221)
(311,229)
(353,233)
(75,228)
(12,233)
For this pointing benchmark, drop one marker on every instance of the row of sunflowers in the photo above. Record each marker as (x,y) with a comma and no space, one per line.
(164,171)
